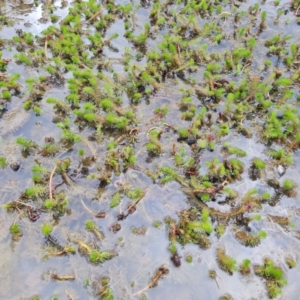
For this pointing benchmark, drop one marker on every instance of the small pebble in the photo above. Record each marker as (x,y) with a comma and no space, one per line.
(15,166)
(280,170)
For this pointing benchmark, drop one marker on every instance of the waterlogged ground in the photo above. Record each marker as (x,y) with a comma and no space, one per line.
(149,149)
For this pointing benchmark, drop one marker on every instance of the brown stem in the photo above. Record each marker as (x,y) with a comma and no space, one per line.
(88,144)
(67,277)
(66,179)
(297,10)
(50,182)
(245,66)
(69,295)
(135,129)
(46,48)
(133,205)
(94,16)
(57,253)
(89,210)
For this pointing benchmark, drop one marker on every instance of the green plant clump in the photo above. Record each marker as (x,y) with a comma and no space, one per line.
(46,229)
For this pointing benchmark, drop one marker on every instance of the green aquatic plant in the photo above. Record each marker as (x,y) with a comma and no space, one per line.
(244,267)
(220,230)
(281,156)
(36,191)
(157,224)
(256,169)
(259,163)
(115,201)
(288,187)
(97,256)
(46,229)
(225,262)
(288,184)
(6,95)
(26,144)
(204,241)
(68,136)
(91,226)
(22,58)
(202,144)
(189,258)
(138,231)
(230,193)
(161,111)
(204,225)
(49,149)
(106,293)
(183,133)
(273,275)
(116,121)
(3,162)
(172,248)
(228,148)
(154,146)
(15,229)
(250,239)
(216,168)
(128,156)
(58,105)
(290,262)
(134,194)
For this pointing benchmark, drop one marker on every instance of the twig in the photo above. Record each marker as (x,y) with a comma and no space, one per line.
(245,66)
(25,204)
(217,283)
(135,129)
(158,274)
(18,216)
(69,295)
(46,51)
(57,253)
(93,16)
(297,10)
(152,128)
(133,205)
(170,126)
(66,277)
(50,182)
(89,210)
(93,153)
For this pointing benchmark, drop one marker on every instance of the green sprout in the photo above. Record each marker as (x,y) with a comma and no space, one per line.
(100,256)
(3,162)
(244,267)
(46,229)
(115,201)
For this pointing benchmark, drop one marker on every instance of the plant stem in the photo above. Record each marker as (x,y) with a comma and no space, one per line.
(50,182)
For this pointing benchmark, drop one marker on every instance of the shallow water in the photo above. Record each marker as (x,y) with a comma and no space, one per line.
(24,270)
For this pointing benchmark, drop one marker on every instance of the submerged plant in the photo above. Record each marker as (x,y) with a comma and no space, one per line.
(244,267)
(91,226)
(15,231)
(288,187)
(225,262)
(273,275)
(115,200)
(46,229)
(290,262)
(106,292)
(26,144)
(3,163)
(250,239)
(97,256)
